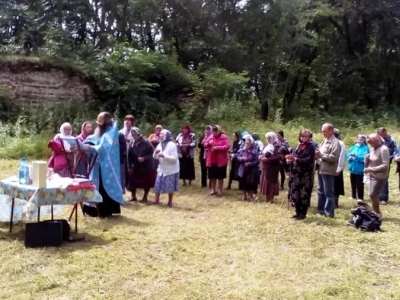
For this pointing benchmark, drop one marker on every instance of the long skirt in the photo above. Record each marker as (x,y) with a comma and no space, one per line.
(247,185)
(234,170)
(339,185)
(269,187)
(167,184)
(142,180)
(187,171)
(105,209)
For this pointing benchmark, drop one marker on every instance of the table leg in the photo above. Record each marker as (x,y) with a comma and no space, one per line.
(12,213)
(74,208)
(76,218)
(52,213)
(38,214)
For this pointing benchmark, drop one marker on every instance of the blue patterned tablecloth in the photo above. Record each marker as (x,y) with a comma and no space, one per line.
(30,197)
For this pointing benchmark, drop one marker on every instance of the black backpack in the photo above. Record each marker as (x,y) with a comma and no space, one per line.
(365,220)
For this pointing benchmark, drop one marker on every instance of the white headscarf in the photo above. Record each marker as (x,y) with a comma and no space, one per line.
(62,131)
(62,135)
(270,145)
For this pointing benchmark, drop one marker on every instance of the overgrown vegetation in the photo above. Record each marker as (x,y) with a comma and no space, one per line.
(309,59)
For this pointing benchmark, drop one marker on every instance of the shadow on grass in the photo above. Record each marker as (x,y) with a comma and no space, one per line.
(88,241)
(121,220)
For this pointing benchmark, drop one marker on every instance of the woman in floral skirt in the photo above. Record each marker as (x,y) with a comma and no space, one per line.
(167,181)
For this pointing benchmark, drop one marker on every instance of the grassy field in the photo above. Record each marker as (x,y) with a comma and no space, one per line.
(209,248)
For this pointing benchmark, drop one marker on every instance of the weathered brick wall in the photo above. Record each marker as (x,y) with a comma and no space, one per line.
(37,86)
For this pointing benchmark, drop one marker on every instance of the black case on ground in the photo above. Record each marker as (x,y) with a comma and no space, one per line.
(43,234)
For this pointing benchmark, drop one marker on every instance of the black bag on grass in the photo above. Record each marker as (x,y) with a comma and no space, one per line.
(365,219)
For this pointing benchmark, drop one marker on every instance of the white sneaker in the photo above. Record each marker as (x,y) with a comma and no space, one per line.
(379,215)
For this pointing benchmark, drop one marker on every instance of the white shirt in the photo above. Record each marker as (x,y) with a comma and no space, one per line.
(342,157)
(169,164)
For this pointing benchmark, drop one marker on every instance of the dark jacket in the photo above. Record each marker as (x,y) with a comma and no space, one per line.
(201,147)
(122,148)
(141,148)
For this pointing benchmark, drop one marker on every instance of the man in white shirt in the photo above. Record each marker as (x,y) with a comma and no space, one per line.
(339,183)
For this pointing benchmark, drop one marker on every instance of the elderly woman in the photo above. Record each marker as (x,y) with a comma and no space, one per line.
(248,172)
(62,159)
(270,159)
(202,155)
(217,146)
(186,142)
(167,181)
(154,138)
(377,166)
(301,174)
(140,165)
(233,159)
(355,162)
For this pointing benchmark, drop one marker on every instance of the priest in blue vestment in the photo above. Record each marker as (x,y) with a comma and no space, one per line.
(106,173)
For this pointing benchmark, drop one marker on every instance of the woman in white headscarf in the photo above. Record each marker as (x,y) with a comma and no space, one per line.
(270,159)
(62,149)
(167,181)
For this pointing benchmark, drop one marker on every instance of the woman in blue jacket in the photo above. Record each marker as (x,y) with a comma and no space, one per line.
(355,160)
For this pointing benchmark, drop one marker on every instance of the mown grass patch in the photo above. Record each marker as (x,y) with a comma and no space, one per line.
(208,248)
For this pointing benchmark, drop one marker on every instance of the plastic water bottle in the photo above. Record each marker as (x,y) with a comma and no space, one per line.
(22,171)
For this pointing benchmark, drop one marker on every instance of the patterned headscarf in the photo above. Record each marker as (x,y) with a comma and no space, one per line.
(167,136)
(137,130)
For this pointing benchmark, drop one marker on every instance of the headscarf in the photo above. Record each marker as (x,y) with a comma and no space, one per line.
(361,136)
(252,142)
(139,133)
(167,136)
(209,127)
(62,135)
(62,131)
(189,130)
(248,137)
(83,134)
(137,130)
(270,147)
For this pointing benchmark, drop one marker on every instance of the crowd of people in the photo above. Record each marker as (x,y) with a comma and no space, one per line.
(126,160)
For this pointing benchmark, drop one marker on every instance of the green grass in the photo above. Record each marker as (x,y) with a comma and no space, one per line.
(208,248)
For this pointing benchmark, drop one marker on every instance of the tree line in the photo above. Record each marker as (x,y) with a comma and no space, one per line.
(154,57)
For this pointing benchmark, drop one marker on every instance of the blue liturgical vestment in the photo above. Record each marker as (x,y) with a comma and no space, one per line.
(108,162)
